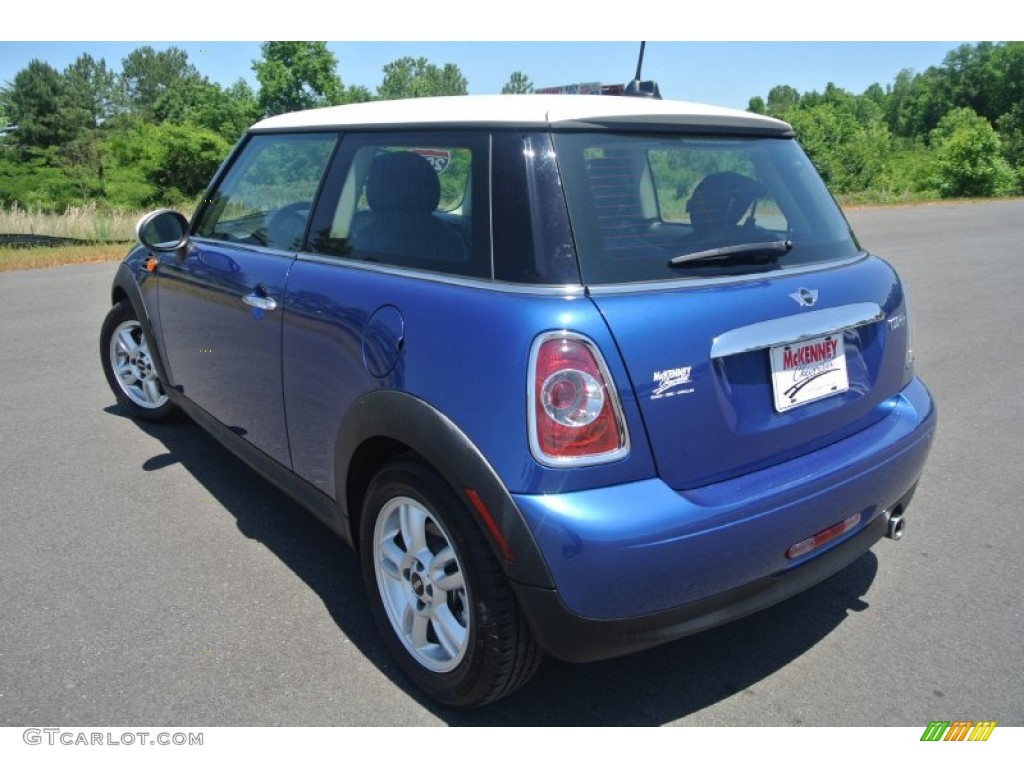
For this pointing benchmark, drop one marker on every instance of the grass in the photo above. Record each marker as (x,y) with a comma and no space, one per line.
(111,232)
(83,222)
(36,258)
(107,235)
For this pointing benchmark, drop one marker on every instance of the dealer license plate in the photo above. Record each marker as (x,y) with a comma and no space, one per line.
(809,370)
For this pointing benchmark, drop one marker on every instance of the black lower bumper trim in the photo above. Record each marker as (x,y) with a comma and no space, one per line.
(570,637)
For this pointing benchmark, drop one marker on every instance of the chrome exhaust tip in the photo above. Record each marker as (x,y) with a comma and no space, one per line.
(894,528)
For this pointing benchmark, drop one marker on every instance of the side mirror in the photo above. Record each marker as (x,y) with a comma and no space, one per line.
(162,230)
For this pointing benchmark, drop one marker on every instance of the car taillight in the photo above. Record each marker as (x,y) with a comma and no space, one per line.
(575,416)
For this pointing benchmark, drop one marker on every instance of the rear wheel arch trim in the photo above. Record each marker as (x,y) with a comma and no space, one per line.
(408,422)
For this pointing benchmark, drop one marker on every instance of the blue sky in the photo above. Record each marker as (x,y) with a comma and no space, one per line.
(725,73)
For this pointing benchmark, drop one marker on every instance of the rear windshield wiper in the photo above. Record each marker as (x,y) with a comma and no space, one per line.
(771,249)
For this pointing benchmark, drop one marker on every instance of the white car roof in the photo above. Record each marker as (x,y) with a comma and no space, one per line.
(524,109)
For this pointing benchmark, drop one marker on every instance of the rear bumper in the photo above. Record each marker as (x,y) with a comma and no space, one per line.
(640,564)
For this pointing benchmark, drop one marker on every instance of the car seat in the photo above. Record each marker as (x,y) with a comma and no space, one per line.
(720,200)
(402,191)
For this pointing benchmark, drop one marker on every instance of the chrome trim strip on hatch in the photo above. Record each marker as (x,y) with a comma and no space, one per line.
(795,328)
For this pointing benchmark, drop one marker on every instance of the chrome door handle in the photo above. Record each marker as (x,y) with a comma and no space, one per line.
(260,302)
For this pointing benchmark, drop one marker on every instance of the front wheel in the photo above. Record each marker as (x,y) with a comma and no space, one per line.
(437,593)
(128,366)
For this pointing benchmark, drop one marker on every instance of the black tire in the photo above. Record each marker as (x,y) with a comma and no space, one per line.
(476,645)
(128,366)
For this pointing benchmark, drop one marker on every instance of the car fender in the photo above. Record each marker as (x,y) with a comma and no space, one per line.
(401,418)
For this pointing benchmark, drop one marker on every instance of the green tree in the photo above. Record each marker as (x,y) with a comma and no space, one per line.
(897,105)
(41,109)
(968,78)
(849,155)
(146,74)
(756,105)
(240,110)
(518,82)
(5,130)
(202,104)
(161,164)
(1011,139)
(295,76)
(92,88)
(91,92)
(408,78)
(876,93)
(838,97)
(55,160)
(968,158)
(986,77)
(132,155)
(1007,68)
(781,99)
(37,181)
(188,158)
(930,99)
(355,94)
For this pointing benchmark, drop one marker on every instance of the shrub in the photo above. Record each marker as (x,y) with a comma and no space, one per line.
(968,161)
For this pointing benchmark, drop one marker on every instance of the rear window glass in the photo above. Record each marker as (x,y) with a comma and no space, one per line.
(665,207)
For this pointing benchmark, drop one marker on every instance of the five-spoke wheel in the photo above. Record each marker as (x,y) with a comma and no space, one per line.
(422,584)
(437,592)
(129,367)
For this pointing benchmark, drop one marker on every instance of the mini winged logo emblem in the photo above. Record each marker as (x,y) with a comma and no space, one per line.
(805,297)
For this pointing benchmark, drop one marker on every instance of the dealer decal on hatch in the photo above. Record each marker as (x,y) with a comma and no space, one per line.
(809,370)
(669,381)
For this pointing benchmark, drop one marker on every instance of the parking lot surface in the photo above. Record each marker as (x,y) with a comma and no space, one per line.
(147,576)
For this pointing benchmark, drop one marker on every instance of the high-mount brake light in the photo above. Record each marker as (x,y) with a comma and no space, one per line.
(575,415)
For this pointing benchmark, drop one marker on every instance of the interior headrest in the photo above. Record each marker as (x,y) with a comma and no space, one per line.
(722,198)
(402,182)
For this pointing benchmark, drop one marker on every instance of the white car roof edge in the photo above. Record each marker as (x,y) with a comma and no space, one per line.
(552,110)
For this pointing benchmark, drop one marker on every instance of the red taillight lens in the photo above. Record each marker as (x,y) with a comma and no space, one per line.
(575,414)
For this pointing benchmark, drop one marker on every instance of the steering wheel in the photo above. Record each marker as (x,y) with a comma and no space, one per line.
(287,225)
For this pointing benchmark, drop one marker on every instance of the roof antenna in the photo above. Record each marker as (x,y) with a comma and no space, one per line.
(647,89)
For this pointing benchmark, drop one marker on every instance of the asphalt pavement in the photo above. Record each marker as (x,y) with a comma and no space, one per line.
(147,576)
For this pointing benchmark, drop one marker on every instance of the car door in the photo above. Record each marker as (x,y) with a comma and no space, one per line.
(222,299)
(399,215)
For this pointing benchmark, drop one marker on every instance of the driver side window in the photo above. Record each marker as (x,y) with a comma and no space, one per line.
(266,195)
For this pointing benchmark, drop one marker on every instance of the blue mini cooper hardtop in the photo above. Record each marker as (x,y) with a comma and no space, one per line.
(574,375)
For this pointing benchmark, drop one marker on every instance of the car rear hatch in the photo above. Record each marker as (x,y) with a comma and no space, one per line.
(752,326)
(700,362)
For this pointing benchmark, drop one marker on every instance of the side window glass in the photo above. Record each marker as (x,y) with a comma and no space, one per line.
(266,196)
(408,200)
